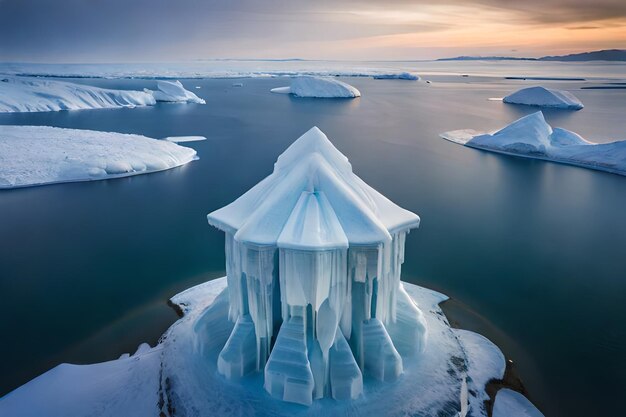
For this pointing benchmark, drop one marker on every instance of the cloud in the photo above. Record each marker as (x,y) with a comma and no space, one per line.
(106,30)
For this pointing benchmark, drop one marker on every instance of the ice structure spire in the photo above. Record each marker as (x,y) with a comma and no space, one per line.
(313,258)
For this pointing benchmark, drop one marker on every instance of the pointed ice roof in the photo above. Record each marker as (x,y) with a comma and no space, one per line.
(312,200)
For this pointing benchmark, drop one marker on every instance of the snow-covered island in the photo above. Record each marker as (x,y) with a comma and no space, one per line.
(397,76)
(37,155)
(318,87)
(544,97)
(311,320)
(532,137)
(21,94)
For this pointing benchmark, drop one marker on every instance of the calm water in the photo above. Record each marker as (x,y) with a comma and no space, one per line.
(536,250)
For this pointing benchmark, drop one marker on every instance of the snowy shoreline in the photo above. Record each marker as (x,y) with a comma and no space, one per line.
(169,376)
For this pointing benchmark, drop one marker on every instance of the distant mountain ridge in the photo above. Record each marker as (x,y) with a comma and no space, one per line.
(603,55)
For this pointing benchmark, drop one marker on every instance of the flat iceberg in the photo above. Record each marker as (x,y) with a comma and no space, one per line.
(37,155)
(36,95)
(544,97)
(532,137)
(511,403)
(318,87)
(173,91)
(397,76)
(182,139)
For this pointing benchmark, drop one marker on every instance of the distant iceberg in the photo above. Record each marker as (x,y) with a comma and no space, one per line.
(318,87)
(36,95)
(173,91)
(19,94)
(37,155)
(532,137)
(397,76)
(544,97)
(180,139)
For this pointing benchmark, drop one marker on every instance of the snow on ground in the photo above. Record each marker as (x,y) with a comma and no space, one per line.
(511,403)
(122,387)
(318,87)
(532,137)
(181,374)
(36,155)
(485,362)
(173,91)
(37,95)
(544,97)
(181,139)
(397,76)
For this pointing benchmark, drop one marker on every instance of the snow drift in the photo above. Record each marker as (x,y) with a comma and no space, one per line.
(532,137)
(36,155)
(173,91)
(318,87)
(37,95)
(544,97)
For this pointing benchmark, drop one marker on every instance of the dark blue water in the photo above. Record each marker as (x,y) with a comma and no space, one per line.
(536,250)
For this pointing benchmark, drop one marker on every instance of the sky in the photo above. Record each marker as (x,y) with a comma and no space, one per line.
(177,30)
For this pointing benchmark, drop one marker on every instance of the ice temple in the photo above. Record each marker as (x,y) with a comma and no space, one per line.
(313,259)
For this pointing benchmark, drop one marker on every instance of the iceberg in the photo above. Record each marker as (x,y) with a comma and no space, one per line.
(173,91)
(397,76)
(532,137)
(318,87)
(544,97)
(37,155)
(35,95)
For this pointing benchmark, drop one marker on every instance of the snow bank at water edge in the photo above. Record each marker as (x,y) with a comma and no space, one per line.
(37,155)
(181,374)
(544,97)
(37,95)
(173,91)
(318,87)
(397,76)
(510,403)
(532,137)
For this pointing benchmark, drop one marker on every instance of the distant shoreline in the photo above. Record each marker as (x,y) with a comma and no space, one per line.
(618,55)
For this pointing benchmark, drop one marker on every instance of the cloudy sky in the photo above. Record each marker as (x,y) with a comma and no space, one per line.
(166,30)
